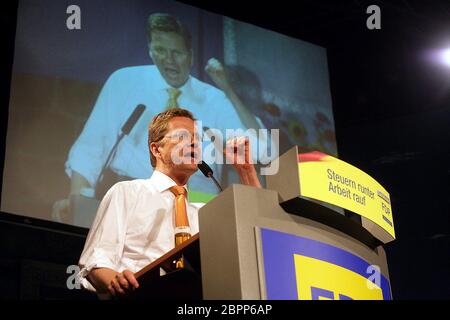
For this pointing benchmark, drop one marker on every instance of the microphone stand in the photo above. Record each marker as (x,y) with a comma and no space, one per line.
(210,175)
(108,159)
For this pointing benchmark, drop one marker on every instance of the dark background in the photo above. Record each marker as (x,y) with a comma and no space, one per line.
(392,118)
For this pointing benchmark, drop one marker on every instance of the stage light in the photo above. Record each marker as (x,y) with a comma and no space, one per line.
(439,57)
(446,57)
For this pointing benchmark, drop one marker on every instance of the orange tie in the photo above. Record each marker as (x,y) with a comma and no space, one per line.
(182,230)
(172,102)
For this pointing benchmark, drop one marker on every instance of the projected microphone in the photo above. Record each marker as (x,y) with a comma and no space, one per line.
(126,129)
(207,171)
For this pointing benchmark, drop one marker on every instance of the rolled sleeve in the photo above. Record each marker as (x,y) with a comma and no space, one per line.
(106,239)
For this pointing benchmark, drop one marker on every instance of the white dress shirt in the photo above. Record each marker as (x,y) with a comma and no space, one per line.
(133,227)
(123,91)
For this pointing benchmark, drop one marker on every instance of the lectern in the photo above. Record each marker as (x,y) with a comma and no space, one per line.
(292,240)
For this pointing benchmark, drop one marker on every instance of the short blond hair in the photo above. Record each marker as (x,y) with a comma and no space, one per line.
(168,23)
(160,124)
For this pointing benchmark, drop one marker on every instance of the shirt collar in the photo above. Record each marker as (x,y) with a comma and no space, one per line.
(161,181)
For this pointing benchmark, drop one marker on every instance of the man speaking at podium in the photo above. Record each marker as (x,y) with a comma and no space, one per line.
(140,220)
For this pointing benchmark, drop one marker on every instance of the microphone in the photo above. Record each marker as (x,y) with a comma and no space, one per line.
(207,171)
(125,130)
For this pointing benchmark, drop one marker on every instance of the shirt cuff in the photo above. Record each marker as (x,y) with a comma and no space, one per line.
(84,272)
(83,168)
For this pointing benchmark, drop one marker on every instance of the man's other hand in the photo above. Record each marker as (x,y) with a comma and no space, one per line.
(122,283)
(217,72)
(237,152)
(61,210)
